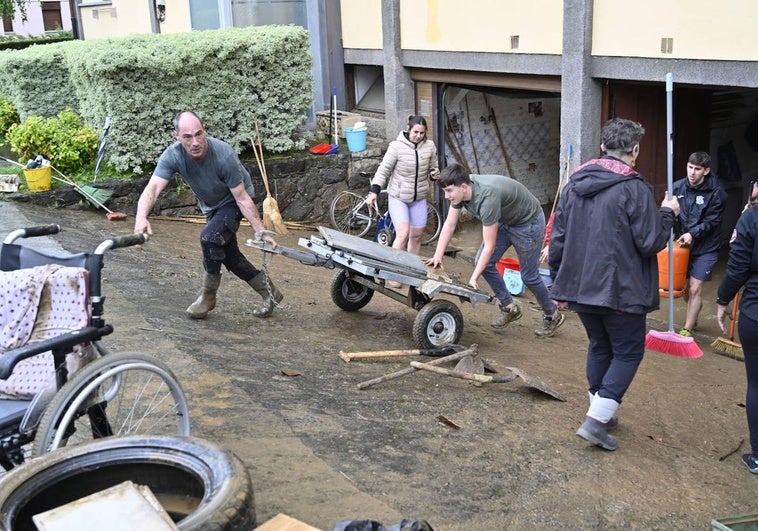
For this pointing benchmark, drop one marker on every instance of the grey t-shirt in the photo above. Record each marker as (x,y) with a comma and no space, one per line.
(211,178)
(500,199)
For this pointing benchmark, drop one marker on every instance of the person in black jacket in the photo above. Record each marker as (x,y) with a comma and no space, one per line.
(701,203)
(606,234)
(742,270)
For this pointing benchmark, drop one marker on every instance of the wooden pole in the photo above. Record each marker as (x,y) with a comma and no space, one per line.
(471,134)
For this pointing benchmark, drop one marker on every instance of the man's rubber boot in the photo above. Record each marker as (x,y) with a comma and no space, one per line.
(207,299)
(262,284)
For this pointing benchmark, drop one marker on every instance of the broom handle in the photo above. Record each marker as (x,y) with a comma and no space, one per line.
(561,178)
(734,316)
(260,168)
(670,185)
(261,164)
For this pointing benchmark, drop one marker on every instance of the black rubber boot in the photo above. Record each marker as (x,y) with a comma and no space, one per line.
(262,284)
(207,299)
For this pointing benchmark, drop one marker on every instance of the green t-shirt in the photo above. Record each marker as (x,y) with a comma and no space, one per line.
(210,179)
(500,199)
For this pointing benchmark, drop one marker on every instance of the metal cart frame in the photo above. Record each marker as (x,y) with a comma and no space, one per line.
(365,268)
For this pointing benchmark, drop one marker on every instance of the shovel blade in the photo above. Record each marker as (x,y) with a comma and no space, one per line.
(471,364)
(535,383)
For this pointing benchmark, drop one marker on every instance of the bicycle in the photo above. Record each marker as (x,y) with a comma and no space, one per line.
(351,214)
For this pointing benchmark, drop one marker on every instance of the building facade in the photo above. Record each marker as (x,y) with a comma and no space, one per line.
(523,88)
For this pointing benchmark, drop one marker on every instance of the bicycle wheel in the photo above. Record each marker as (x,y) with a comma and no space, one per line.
(350,214)
(433,224)
(127,393)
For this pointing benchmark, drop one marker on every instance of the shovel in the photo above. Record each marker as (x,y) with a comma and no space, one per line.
(530,380)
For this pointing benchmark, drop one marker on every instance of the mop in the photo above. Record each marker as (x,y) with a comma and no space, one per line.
(670,342)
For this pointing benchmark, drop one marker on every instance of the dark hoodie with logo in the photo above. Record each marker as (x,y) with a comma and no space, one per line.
(606,235)
(700,213)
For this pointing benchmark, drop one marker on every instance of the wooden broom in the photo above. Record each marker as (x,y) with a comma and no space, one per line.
(729,347)
(272,218)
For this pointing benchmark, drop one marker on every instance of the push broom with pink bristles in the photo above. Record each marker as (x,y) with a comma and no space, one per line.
(670,342)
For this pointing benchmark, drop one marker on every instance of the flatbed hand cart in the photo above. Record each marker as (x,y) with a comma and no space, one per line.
(365,267)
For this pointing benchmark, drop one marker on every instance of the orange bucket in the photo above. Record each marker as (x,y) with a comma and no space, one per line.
(507,263)
(681,261)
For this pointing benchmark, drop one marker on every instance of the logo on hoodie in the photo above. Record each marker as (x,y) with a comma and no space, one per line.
(699,200)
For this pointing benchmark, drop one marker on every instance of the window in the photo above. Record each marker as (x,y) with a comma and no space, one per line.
(51,16)
(7,24)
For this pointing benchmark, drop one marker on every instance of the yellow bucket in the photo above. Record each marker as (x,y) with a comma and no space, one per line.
(39,179)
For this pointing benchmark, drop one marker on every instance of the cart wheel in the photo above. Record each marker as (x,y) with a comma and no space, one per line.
(385,237)
(348,294)
(437,324)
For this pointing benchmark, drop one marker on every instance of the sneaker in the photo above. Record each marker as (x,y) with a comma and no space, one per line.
(685,333)
(550,324)
(507,316)
(597,433)
(751,462)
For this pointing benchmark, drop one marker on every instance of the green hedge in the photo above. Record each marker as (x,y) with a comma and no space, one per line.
(230,77)
(19,42)
(37,81)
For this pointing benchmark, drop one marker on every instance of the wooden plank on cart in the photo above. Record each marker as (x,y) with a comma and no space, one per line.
(359,246)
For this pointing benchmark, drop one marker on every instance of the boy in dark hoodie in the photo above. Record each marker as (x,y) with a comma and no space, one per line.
(702,203)
(606,235)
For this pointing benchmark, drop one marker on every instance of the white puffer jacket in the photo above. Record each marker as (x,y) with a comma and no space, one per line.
(407,167)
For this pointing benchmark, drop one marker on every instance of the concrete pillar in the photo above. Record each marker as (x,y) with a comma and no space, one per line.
(398,87)
(581,96)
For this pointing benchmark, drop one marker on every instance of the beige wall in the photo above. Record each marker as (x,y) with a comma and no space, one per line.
(126,17)
(482,25)
(701,29)
(450,25)
(361,24)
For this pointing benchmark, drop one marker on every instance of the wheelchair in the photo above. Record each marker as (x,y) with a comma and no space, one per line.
(108,394)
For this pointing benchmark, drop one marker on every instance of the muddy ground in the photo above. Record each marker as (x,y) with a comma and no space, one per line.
(321,450)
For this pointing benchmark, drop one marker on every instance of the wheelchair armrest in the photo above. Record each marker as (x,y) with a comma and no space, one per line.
(64,343)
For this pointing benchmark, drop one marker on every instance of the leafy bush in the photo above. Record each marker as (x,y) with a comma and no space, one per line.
(232,77)
(8,116)
(63,140)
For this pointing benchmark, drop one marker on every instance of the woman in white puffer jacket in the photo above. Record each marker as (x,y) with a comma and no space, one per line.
(410,161)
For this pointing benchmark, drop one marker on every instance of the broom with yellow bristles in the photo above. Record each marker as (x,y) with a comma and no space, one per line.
(729,347)
(272,218)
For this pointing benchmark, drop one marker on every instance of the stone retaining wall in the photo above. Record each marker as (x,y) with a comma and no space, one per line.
(303,185)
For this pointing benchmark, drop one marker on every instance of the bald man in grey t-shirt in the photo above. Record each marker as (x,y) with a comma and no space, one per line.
(212,169)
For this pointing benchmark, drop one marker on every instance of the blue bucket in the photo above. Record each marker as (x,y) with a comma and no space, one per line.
(356,140)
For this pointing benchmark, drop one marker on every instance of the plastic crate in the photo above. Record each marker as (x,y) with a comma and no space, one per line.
(736,523)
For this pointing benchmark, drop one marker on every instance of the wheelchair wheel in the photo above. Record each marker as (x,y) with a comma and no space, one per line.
(120,394)
(200,485)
